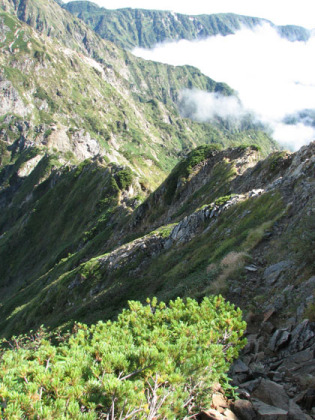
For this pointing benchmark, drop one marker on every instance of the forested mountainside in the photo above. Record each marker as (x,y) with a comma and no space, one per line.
(131,28)
(108,195)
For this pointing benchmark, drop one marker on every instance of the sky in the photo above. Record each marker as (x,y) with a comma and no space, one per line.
(280,12)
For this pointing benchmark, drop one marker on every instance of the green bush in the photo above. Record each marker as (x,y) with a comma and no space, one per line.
(154,361)
(124,178)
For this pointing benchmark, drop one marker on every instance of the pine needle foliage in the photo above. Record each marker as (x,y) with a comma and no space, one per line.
(155,361)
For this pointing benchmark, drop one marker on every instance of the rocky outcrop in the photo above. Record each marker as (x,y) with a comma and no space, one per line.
(10,100)
(190,225)
(148,246)
(273,273)
(29,166)
(277,369)
(80,143)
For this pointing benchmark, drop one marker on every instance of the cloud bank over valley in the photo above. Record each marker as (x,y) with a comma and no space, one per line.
(274,78)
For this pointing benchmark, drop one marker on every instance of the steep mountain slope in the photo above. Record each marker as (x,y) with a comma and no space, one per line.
(131,28)
(224,221)
(215,206)
(60,107)
(57,98)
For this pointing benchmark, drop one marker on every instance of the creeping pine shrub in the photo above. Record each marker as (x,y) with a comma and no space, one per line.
(155,361)
(124,178)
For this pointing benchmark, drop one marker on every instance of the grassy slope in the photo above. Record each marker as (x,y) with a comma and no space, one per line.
(63,271)
(62,214)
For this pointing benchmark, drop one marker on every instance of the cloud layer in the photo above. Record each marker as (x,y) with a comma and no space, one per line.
(274,78)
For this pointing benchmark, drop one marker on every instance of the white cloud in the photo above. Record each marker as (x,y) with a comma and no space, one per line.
(293,137)
(203,106)
(274,77)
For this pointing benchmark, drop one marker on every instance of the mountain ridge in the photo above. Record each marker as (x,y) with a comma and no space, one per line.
(53,114)
(143,28)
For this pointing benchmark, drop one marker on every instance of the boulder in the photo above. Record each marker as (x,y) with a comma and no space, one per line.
(229,415)
(273,272)
(218,401)
(210,415)
(239,367)
(271,393)
(240,372)
(302,336)
(250,386)
(297,360)
(244,410)
(308,401)
(269,412)
(252,268)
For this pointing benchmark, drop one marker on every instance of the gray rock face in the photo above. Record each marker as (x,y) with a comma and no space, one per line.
(3,30)
(273,272)
(10,101)
(286,357)
(187,228)
(148,245)
(81,144)
(84,146)
(295,413)
(302,336)
(239,367)
(279,339)
(308,400)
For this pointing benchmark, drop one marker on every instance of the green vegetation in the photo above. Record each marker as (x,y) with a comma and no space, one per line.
(124,178)
(68,91)
(309,312)
(183,271)
(303,243)
(43,96)
(78,245)
(131,28)
(185,167)
(74,280)
(155,360)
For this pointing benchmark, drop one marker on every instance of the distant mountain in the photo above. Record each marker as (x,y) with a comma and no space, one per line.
(131,28)
(68,91)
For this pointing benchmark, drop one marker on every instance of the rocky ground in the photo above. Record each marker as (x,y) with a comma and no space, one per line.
(275,374)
